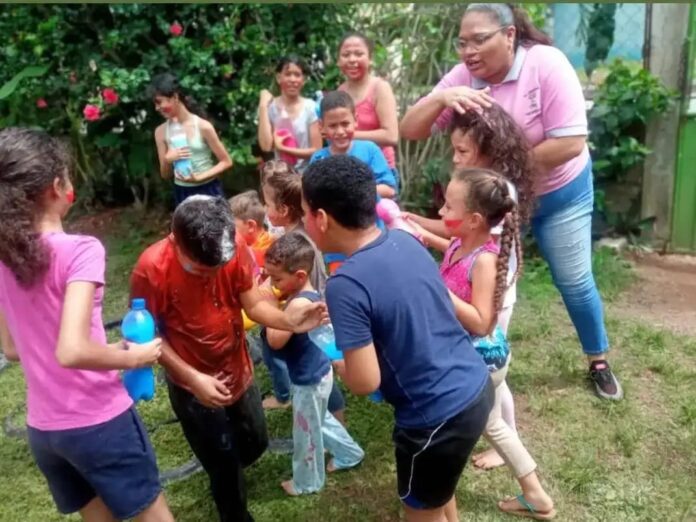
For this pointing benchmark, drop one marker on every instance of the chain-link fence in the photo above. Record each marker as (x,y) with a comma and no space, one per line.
(593,34)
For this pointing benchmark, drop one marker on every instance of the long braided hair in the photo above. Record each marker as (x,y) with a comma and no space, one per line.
(489,195)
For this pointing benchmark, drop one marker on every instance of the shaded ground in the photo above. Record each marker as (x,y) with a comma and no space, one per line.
(664,293)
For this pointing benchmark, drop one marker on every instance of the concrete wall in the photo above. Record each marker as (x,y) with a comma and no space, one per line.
(669,24)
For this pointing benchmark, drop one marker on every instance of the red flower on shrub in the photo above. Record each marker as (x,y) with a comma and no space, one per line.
(41,103)
(91,112)
(110,96)
(176,29)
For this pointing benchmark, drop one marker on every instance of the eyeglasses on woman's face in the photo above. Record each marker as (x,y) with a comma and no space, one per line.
(476,41)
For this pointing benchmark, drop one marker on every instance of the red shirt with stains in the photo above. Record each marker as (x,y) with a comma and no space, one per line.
(200,316)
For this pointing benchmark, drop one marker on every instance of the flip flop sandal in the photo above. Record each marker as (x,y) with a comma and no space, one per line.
(529,511)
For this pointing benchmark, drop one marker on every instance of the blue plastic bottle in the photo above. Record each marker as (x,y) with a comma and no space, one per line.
(138,326)
(318,96)
(178,140)
(376,396)
(323,337)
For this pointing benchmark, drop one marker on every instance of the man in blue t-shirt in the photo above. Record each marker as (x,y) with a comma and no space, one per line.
(395,323)
(337,122)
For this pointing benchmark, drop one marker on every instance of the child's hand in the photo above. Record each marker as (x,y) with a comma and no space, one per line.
(278,142)
(339,367)
(266,291)
(265,97)
(173,155)
(191,178)
(307,316)
(426,235)
(145,354)
(210,391)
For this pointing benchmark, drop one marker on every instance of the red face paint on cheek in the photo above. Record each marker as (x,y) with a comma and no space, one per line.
(70,196)
(453,224)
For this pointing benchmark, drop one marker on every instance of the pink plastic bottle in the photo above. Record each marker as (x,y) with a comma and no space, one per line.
(284,129)
(389,212)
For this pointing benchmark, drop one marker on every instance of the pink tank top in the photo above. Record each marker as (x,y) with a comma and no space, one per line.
(368,119)
(457,275)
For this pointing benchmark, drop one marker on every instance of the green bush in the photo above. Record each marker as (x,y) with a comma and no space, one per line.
(58,59)
(623,104)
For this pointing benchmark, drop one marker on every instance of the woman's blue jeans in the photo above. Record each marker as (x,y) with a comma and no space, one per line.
(562,226)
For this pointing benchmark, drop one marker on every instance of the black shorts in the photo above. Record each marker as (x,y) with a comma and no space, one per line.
(113,461)
(430,461)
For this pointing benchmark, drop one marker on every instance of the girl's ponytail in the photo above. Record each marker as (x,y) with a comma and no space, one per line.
(527,33)
(29,163)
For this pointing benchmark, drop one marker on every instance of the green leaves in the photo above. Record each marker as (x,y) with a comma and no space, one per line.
(626,100)
(623,104)
(31,71)
(63,57)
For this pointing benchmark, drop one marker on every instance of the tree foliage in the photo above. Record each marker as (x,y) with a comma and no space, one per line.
(58,59)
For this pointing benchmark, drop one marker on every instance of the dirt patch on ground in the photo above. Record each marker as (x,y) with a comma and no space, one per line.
(664,294)
(97,223)
(112,221)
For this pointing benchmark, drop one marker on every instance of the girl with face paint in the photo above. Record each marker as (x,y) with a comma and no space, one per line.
(375,103)
(51,291)
(475,270)
(288,124)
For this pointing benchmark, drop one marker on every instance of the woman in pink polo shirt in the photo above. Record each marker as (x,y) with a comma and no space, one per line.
(506,60)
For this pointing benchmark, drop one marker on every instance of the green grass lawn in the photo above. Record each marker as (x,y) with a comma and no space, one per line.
(628,461)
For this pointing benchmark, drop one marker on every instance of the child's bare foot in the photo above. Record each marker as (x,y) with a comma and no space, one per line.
(289,488)
(271,403)
(487,460)
(331,466)
(536,506)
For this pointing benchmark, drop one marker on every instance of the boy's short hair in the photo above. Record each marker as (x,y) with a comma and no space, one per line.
(287,187)
(203,228)
(344,187)
(336,100)
(291,252)
(247,205)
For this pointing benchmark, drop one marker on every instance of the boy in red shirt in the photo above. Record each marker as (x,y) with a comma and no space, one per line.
(196,283)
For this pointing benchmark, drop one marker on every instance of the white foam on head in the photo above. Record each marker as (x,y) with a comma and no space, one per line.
(226,246)
(197,197)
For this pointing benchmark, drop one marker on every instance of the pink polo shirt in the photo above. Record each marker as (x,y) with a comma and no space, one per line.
(543,95)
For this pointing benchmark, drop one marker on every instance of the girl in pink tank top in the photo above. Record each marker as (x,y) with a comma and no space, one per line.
(475,271)
(375,104)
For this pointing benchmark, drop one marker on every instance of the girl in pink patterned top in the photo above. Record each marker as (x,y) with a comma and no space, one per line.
(475,270)
(375,104)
